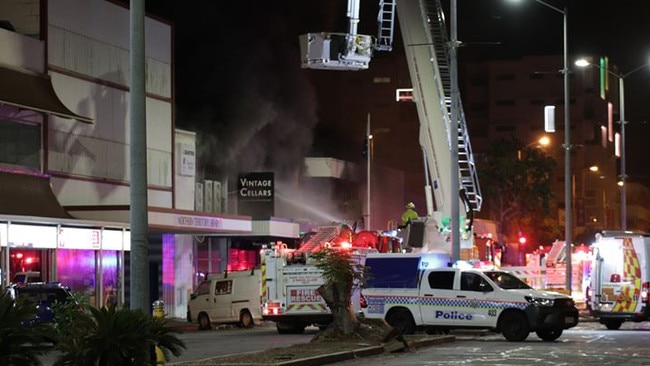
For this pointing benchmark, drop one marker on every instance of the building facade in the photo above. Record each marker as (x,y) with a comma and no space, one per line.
(506,98)
(65,178)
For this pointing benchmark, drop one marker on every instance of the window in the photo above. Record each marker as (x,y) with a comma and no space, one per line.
(223,287)
(505,77)
(204,288)
(20,144)
(506,128)
(443,280)
(473,282)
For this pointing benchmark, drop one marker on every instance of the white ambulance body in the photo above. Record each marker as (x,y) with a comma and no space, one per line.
(619,279)
(421,291)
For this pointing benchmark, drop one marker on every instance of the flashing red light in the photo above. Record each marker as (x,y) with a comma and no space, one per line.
(362,301)
(522,240)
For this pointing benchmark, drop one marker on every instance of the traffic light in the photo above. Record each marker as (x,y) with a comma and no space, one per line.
(522,239)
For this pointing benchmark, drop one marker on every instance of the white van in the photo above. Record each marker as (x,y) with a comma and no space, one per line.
(227,298)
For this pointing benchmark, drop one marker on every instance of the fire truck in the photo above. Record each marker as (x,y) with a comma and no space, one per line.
(619,278)
(290,280)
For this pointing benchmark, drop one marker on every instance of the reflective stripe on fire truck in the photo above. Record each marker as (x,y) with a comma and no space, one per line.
(304,307)
(263,265)
(630,293)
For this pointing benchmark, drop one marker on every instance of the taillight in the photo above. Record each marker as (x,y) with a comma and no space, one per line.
(272,308)
(362,301)
(644,292)
(615,277)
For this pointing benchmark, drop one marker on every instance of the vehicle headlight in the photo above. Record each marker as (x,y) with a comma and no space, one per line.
(540,301)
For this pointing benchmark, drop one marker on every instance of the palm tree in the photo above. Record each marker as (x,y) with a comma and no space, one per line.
(340,273)
(116,337)
(17,339)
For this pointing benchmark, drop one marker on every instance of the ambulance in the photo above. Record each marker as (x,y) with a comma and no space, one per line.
(421,291)
(619,278)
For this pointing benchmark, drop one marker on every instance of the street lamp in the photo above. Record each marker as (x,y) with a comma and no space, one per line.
(621,96)
(541,143)
(568,199)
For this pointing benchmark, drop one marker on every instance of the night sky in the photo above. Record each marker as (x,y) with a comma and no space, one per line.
(239,80)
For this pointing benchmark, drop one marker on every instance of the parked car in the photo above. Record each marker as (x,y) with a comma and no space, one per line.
(27,277)
(41,295)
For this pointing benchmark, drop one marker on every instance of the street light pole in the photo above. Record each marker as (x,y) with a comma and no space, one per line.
(621,96)
(568,228)
(368,162)
(568,198)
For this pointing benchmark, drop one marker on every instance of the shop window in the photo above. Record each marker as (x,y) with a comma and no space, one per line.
(20,144)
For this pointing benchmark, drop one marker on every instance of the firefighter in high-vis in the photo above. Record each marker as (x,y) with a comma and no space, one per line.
(409,214)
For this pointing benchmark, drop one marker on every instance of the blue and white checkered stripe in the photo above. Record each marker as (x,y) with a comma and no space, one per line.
(444,302)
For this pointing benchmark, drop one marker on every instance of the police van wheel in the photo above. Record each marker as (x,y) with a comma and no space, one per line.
(246,319)
(204,322)
(514,326)
(436,331)
(401,320)
(549,334)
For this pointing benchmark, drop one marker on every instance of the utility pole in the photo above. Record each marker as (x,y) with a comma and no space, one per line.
(453,137)
(139,274)
(368,162)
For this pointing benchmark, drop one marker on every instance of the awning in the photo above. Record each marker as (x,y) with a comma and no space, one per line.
(34,92)
(29,195)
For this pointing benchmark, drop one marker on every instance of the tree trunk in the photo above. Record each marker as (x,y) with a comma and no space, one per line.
(337,296)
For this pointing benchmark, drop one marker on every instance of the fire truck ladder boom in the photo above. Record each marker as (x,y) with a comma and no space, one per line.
(324,235)
(426,44)
(386,24)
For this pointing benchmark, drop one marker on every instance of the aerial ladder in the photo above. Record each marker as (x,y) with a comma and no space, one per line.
(426,44)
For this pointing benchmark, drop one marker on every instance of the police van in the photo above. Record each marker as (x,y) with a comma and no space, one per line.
(412,291)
